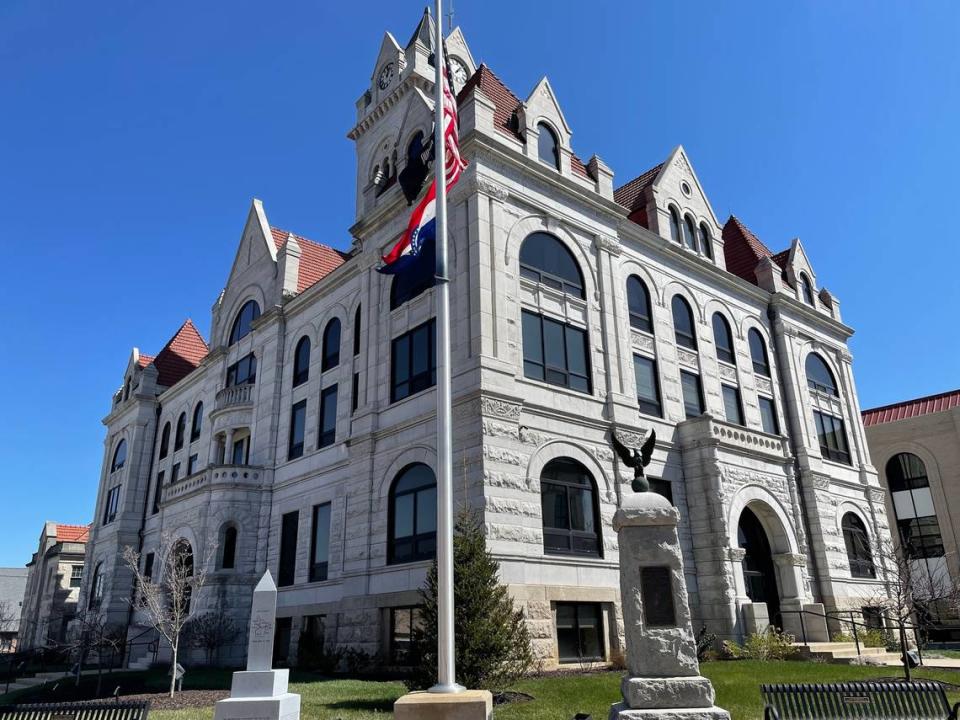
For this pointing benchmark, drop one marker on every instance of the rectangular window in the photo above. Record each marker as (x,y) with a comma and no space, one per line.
(832,437)
(192,464)
(403,621)
(174,473)
(692,394)
(76,576)
(732,407)
(327,434)
(243,371)
(414,361)
(110,509)
(288,548)
(148,566)
(555,353)
(355,393)
(320,544)
(768,415)
(240,453)
(158,493)
(579,632)
(298,426)
(648,387)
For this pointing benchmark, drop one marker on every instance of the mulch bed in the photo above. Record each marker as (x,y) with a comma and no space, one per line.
(183,699)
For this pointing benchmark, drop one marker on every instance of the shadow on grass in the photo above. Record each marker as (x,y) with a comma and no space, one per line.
(384,706)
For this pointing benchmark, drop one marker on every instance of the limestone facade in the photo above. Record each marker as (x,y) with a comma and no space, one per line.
(507,426)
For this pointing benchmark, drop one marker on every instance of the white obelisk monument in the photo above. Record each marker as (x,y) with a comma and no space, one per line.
(260,692)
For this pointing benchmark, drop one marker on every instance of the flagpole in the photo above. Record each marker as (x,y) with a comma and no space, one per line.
(446,672)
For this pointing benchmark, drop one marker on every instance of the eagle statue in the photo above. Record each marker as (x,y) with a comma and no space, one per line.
(636,459)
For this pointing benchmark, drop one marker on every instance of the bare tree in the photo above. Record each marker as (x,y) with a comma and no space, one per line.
(210,632)
(166,602)
(91,634)
(913,592)
(8,620)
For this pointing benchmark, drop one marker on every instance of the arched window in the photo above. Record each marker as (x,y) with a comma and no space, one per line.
(181,431)
(301,361)
(706,243)
(548,147)
(675,225)
(913,506)
(858,547)
(331,345)
(416,279)
(544,259)
(413,515)
(723,339)
(690,232)
(228,544)
(96,588)
(819,377)
(807,289)
(165,441)
(244,320)
(758,353)
(126,389)
(197,425)
(356,331)
(638,303)
(683,327)
(571,514)
(119,456)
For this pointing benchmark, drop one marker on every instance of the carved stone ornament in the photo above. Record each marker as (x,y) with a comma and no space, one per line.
(687,358)
(876,495)
(489,187)
(736,554)
(610,244)
(728,373)
(641,341)
(790,559)
(764,385)
(499,408)
(821,483)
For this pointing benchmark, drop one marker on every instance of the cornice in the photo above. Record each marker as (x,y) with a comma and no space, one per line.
(403,87)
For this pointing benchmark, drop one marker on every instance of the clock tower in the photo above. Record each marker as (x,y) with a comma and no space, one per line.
(397,105)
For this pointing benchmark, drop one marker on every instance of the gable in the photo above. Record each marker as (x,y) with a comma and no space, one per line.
(671,185)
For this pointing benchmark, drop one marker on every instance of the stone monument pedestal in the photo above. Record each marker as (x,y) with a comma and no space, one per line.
(260,692)
(466,705)
(664,680)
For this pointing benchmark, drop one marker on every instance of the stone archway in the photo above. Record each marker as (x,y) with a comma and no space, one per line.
(759,572)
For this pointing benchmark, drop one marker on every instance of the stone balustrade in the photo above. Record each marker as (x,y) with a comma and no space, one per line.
(212,477)
(735,437)
(234,396)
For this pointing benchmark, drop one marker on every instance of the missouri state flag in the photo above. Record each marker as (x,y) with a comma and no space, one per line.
(422,229)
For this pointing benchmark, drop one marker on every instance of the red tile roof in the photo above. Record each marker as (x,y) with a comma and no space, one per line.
(181,355)
(505,106)
(73,533)
(145,360)
(912,408)
(633,195)
(316,261)
(743,250)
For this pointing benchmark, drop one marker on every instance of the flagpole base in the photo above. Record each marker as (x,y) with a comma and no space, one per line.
(447,705)
(448,688)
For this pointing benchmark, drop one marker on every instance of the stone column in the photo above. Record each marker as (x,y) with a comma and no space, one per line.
(663,679)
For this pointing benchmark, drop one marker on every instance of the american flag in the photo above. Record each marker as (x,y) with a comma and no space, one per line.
(453,162)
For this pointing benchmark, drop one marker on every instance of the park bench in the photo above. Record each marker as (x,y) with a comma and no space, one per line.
(97,710)
(882,700)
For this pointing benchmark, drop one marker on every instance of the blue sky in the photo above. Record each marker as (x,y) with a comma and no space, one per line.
(133,136)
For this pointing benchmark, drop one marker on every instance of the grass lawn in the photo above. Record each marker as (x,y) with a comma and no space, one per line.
(557,697)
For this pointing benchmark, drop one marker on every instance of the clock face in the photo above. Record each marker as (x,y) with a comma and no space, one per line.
(386,75)
(459,72)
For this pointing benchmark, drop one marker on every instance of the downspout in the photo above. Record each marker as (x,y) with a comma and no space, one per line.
(779,348)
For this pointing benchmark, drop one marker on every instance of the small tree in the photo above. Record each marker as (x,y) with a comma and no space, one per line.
(8,618)
(492,641)
(914,591)
(210,632)
(167,602)
(91,634)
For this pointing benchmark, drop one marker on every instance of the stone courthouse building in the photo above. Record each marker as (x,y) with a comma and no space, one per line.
(300,436)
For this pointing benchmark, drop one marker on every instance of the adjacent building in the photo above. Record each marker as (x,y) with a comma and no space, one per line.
(54,577)
(13,582)
(916,447)
(299,436)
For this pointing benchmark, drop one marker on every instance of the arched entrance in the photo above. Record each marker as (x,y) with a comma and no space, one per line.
(759,573)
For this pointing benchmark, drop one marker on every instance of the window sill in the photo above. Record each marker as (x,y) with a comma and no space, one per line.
(543,384)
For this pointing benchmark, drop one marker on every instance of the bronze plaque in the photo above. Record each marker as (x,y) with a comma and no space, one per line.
(656,589)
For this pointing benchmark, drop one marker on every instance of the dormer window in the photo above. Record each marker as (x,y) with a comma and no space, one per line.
(548,147)
(119,456)
(674,224)
(706,243)
(243,323)
(806,290)
(689,233)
